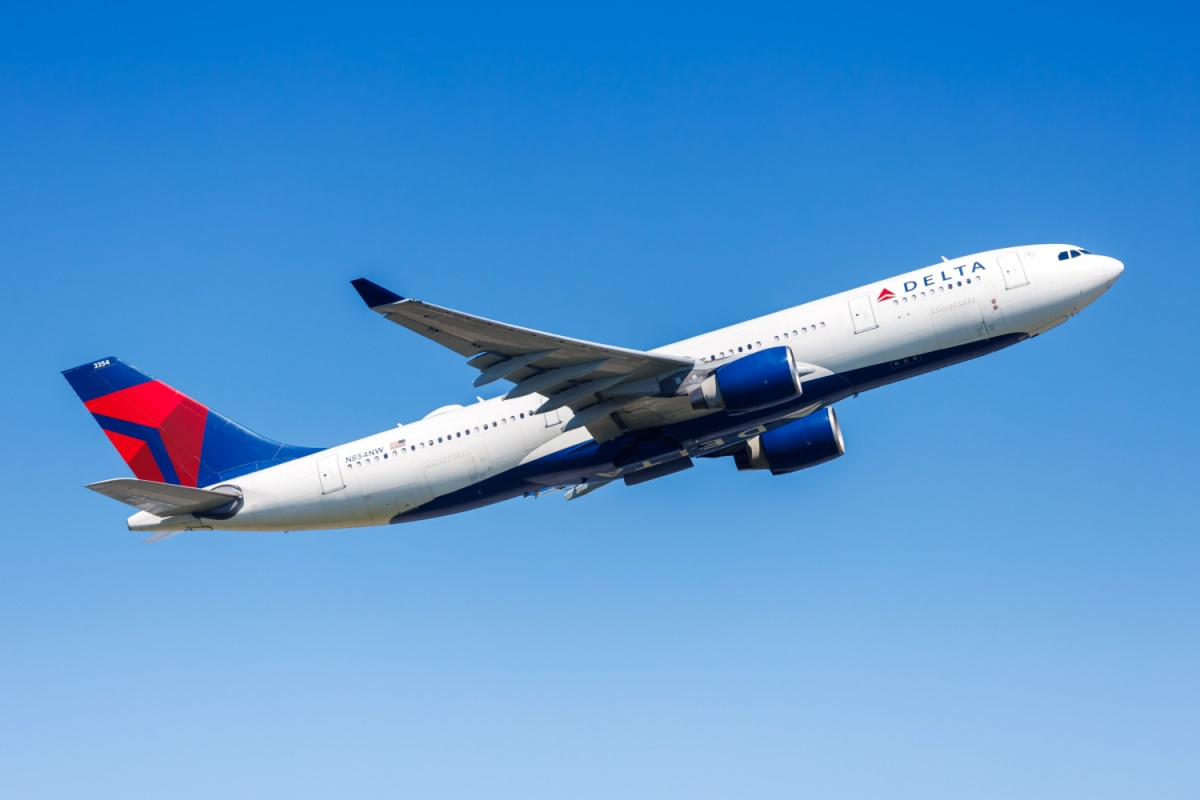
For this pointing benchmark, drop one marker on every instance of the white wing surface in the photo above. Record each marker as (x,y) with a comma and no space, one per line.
(594,380)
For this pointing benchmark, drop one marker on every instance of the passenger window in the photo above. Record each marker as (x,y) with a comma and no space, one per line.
(739,349)
(822,324)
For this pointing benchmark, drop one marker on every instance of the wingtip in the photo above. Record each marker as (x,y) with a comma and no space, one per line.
(373,294)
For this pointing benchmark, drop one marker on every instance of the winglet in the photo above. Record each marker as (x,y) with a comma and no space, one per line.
(373,294)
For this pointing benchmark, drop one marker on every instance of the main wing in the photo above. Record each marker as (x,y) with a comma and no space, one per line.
(594,380)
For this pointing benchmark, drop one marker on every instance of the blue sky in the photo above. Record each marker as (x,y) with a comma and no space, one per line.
(993,594)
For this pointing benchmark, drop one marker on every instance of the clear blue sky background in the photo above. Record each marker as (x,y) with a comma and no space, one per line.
(993,595)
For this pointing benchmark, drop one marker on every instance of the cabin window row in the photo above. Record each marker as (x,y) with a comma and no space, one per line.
(916,295)
(449,437)
(748,347)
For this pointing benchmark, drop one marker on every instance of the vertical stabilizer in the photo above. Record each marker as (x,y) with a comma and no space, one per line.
(166,436)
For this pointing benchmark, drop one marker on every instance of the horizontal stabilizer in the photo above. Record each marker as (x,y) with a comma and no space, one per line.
(162,536)
(164,499)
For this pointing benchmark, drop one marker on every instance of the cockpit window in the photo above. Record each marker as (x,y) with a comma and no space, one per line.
(1065,254)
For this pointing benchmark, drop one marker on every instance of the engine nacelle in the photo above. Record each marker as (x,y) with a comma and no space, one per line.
(756,381)
(802,443)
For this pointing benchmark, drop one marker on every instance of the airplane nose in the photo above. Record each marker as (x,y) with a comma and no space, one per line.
(1113,268)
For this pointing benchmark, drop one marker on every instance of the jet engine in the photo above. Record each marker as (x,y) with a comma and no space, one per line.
(755,381)
(802,443)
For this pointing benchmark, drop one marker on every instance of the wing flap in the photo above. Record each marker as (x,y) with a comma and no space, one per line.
(164,499)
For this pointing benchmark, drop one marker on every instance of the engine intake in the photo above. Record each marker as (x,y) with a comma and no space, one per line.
(759,380)
(800,444)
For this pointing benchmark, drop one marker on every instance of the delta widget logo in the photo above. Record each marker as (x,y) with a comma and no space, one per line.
(886,294)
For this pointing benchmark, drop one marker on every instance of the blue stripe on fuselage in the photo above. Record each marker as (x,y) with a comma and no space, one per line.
(587,461)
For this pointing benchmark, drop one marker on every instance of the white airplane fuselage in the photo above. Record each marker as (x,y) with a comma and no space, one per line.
(462,457)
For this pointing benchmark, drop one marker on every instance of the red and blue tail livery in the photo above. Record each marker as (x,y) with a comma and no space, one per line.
(166,436)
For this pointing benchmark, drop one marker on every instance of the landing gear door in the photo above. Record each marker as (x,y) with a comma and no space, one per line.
(862,314)
(331,474)
(1013,270)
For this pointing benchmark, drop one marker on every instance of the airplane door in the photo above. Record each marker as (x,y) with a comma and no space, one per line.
(331,474)
(1013,270)
(552,418)
(862,314)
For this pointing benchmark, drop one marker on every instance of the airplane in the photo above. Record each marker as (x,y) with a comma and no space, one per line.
(582,415)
